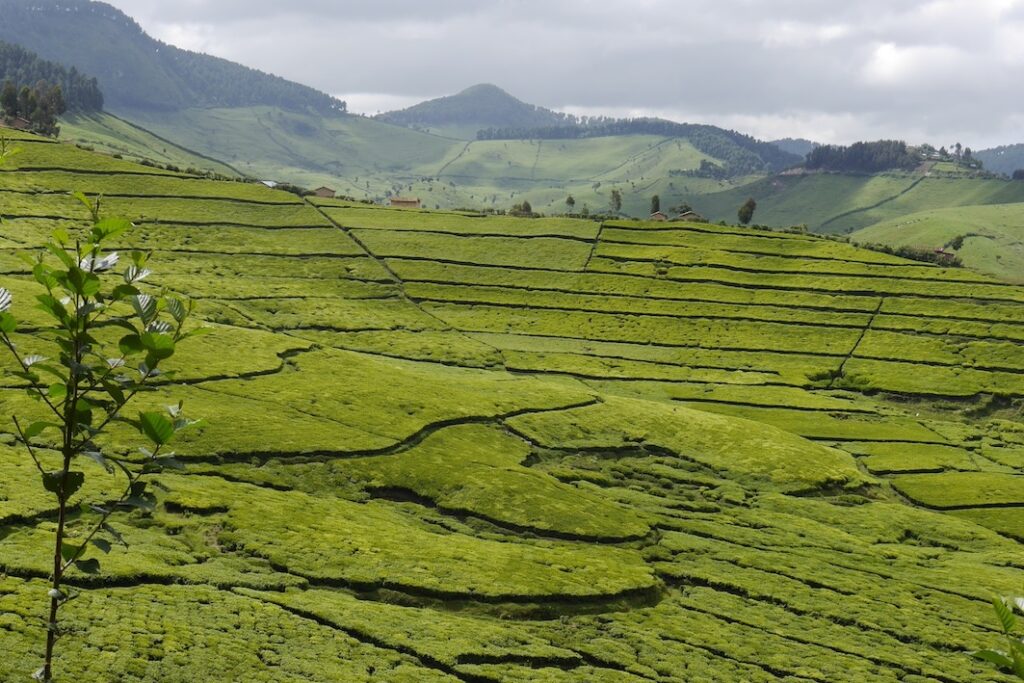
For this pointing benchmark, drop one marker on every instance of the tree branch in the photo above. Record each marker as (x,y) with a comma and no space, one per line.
(31,451)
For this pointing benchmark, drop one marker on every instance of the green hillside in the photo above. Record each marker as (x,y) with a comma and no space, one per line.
(368,159)
(136,71)
(840,203)
(987,238)
(112,135)
(463,448)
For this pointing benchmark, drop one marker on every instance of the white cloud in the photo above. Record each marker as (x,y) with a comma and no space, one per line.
(371,103)
(902,66)
(944,69)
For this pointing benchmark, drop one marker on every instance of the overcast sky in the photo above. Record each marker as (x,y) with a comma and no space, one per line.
(835,71)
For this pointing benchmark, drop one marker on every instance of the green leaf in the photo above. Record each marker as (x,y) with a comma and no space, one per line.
(83,413)
(131,344)
(69,550)
(994,657)
(145,307)
(159,346)
(60,236)
(82,283)
(52,482)
(85,201)
(44,275)
(53,307)
(1006,618)
(8,323)
(177,309)
(156,427)
(114,391)
(122,292)
(110,227)
(103,545)
(57,392)
(63,254)
(91,566)
(37,428)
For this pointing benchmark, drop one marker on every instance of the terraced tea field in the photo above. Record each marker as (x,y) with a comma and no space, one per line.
(457,448)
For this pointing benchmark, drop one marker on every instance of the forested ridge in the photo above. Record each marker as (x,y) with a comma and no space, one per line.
(136,71)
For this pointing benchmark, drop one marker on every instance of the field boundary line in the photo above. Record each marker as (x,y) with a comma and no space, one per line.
(400,282)
(856,345)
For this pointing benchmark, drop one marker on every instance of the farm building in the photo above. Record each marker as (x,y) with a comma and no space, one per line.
(658,216)
(406,202)
(691,216)
(324,192)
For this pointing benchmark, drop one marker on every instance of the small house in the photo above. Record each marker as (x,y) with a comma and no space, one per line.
(406,202)
(691,216)
(325,192)
(658,216)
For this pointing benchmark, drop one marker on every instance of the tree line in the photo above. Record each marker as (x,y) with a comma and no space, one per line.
(863,157)
(24,68)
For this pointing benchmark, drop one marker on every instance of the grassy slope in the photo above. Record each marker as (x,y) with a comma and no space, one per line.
(366,158)
(111,135)
(840,203)
(993,235)
(491,449)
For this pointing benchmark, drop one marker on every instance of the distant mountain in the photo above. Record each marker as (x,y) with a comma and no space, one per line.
(22,67)
(798,146)
(1005,159)
(483,106)
(486,112)
(137,72)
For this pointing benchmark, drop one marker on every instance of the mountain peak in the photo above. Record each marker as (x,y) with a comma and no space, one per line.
(483,105)
(486,89)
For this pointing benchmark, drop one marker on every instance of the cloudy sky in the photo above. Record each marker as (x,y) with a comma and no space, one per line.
(835,71)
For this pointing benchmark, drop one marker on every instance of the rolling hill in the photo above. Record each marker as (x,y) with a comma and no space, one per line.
(989,239)
(110,134)
(843,203)
(478,448)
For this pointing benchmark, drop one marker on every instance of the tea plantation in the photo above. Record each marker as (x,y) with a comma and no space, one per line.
(445,447)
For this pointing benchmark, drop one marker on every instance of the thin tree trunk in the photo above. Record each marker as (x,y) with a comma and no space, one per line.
(51,624)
